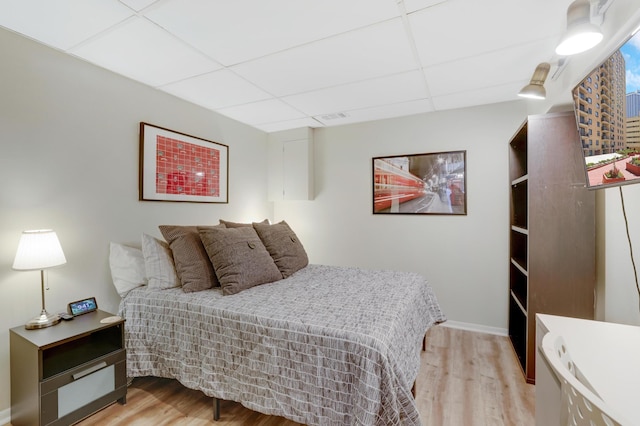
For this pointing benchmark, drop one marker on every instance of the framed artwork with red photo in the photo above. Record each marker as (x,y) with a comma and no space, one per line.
(431,183)
(175,166)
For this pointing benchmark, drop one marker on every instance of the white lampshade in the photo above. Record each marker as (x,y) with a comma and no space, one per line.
(581,33)
(38,249)
(533,91)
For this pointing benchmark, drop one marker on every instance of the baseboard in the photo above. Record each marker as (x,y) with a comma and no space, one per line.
(5,416)
(476,327)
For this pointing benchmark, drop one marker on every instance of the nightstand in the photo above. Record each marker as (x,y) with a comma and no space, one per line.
(64,373)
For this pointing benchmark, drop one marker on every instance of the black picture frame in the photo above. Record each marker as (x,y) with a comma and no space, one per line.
(427,184)
(178,167)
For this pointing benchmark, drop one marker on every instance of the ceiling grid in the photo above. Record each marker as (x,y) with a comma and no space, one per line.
(285,64)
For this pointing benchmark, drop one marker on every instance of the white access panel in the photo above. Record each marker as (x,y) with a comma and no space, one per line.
(290,170)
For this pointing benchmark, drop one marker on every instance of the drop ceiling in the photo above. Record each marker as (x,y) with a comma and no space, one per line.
(282,64)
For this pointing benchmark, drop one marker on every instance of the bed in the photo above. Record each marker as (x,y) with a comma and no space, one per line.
(328,345)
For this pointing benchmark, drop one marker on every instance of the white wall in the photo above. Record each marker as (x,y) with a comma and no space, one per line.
(463,257)
(621,295)
(69,161)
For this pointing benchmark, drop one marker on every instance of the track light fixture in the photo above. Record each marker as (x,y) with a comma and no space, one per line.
(535,88)
(581,34)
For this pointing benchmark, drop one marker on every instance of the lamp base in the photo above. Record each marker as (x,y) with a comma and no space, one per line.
(43,320)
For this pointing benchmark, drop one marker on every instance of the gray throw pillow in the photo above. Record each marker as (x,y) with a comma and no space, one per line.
(284,246)
(229,224)
(239,258)
(193,266)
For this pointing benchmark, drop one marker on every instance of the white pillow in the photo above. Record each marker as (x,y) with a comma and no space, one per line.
(127,268)
(158,262)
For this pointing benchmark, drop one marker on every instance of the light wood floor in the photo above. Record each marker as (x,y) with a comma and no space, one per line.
(465,379)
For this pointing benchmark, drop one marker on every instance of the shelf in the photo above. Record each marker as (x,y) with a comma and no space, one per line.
(518,284)
(521,264)
(520,204)
(519,249)
(518,331)
(63,357)
(519,180)
(518,304)
(518,153)
(520,267)
(523,231)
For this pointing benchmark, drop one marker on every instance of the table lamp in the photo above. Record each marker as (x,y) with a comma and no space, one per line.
(39,250)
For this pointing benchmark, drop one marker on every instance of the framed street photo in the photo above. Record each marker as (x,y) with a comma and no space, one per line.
(433,183)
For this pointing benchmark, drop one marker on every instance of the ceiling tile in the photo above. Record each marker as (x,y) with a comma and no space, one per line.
(492,69)
(413,5)
(138,4)
(236,31)
(61,23)
(141,50)
(483,96)
(369,93)
(478,27)
(262,112)
(217,89)
(374,51)
(289,124)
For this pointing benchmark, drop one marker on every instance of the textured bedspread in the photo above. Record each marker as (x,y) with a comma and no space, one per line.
(326,346)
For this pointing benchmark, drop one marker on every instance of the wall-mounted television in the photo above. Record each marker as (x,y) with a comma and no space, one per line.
(607,107)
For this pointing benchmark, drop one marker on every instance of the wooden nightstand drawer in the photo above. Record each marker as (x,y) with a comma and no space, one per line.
(68,396)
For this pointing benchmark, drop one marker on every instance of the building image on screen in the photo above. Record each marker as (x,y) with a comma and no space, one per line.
(607,107)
